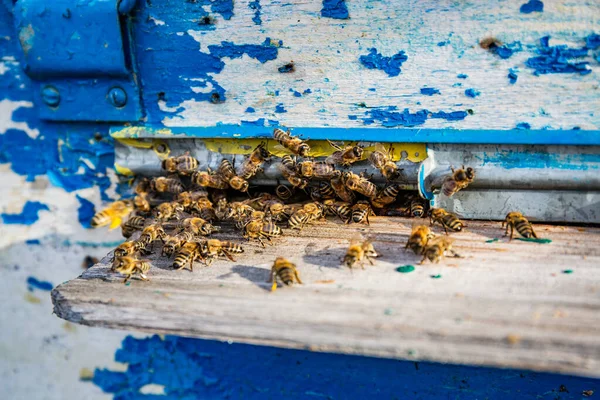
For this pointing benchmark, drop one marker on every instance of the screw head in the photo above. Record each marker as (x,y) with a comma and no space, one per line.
(117,97)
(51,96)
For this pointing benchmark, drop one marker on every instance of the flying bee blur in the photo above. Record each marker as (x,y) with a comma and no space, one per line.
(132,225)
(383,162)
(417,208)
(212,249)
(187,254)
(437,248)
(516,221)
(259,230)
(252,163)
(227,173)
(418,239)
(292,176)
(284,192)
(359,184)
(446,219)
(315,169)
(361,212)
(386,196)
(340,188)
(124,250)
(129,266)
(170,184)
(460,179)
(285,271)
(113,215)
(322,191)
(174,243)
(168,210)
(359,252)
(292,143)
(149,235)
(345,156)
(184,164)
(209,179)
(198,226)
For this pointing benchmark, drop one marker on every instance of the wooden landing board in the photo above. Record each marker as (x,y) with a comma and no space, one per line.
(503,304)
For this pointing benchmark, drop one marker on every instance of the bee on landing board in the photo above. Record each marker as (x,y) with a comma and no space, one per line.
(198,226)
(187,254)
(174,243)
(168,210)
(340,188)
(361,212)
(386,196)
(287,167)
(418,239)
(345,156)
(252,164)
(212,249)
(259,230)
(125,249)
(132,225)
(227,173)
(437,248)
(292,143)
(516,221)
(446,219)
(209,179)
(113,215)
(359,252)
(129,266)
(322,191)
(284,271)
(460,179)
(417,208)
(184,164)
(149,235)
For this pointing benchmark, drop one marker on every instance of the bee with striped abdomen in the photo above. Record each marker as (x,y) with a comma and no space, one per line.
(168,210)
(209,179)
(113,215)
(437,248)
(132,225)
(149,235)
(322,191)
(238,211)
(386,196)
(383,162)
(342,209)
(359,252)
(252,163)
(285,271)
(516,220)
(212,249)
(184,164)
(298,219)
(275,209)
(198,226)
(259,230)
(292,143)
(314,210)
(174,243)
(284,192)
(460,179)
(129,266)
(417,208)
(227,173)
(418,239)
(125,249)
(360,184)
(315,169)
(288,170)
(186,199)
(187,254)
(170,184)
(340,188)
(141,200)
(361,212)
(446,220)
(345,156)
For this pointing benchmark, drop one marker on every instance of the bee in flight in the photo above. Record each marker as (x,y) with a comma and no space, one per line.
(383,162)
(252,163)
(437,248)
(516,220)
(460,179)
(285,271)
(345,156)
(227,173)
(446,220)
(113,215)
(359,252)
(129,266)
(184,164)
(292,143)
(418,239)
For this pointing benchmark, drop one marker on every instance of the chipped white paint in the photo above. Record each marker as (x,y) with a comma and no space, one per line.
(326,54)
(7,108)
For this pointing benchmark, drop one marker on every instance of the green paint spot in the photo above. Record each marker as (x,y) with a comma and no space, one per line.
(438,276)
(410,352)
(492,240)
(568,271)
(387,311)
(128,283)
(543,241)
(405,269)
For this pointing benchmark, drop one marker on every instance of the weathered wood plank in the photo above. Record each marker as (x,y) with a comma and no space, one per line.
(502,304)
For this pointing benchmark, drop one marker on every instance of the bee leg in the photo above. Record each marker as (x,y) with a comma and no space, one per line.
(127,278)
(297,277)
(445,229)
(370,261)
(533,232)
(511,232)
(229,256)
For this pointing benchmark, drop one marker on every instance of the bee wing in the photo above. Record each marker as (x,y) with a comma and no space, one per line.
(335,146)
(115,223)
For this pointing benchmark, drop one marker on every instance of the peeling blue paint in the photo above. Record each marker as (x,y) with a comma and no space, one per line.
(335,9)
(258,122)
(389,117)
(255,5)
(506,50)
(390,65)
(462,76)
(33,242)
(429,91)
(28,216)
(592,41)
(307,91)
(555,59)
(280,109)
(262,53)
(353,117)
(523,125)
(472,93)
(223,7)
(85,211)
(444,43)
(34,283)
(250,110)
(531,159)
(512,76)
(532,6)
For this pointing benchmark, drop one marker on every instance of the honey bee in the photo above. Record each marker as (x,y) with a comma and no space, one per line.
(437,248)
(163,184)
(359,252)
(252,163)
(184,164)
(212,249)
(460,179)
(361,212)
(344,156)
(259,230)
(292,143)
(227,173)
(298,219)
(516,220)
(315,169)
(359,184)
(342,209)
(385,165)
(387,196)
(113,215)
(418,239)
(340,188)
(132,225)
(129,266)
(186,199)
(174,243)
(209,179)
(124,250)
(323,191)
(238,210)
(291,175)
(141,202)
(198,226)
(417,208)
(284,192)
(446,219)
(166,211)
(314,210)
(275,209)
(148,236)
(188,253)
(285,271)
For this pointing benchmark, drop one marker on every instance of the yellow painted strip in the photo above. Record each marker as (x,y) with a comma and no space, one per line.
(135,131)
(123,170)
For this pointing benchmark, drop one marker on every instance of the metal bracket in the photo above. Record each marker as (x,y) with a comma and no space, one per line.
(76,52)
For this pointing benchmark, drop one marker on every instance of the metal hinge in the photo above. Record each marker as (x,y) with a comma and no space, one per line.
(77,52)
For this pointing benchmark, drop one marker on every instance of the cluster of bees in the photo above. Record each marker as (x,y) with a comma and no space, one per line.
(184,208)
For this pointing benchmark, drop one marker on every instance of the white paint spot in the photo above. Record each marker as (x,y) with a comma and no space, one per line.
(3,69)
(157,21)
(7,108)
(153,388)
